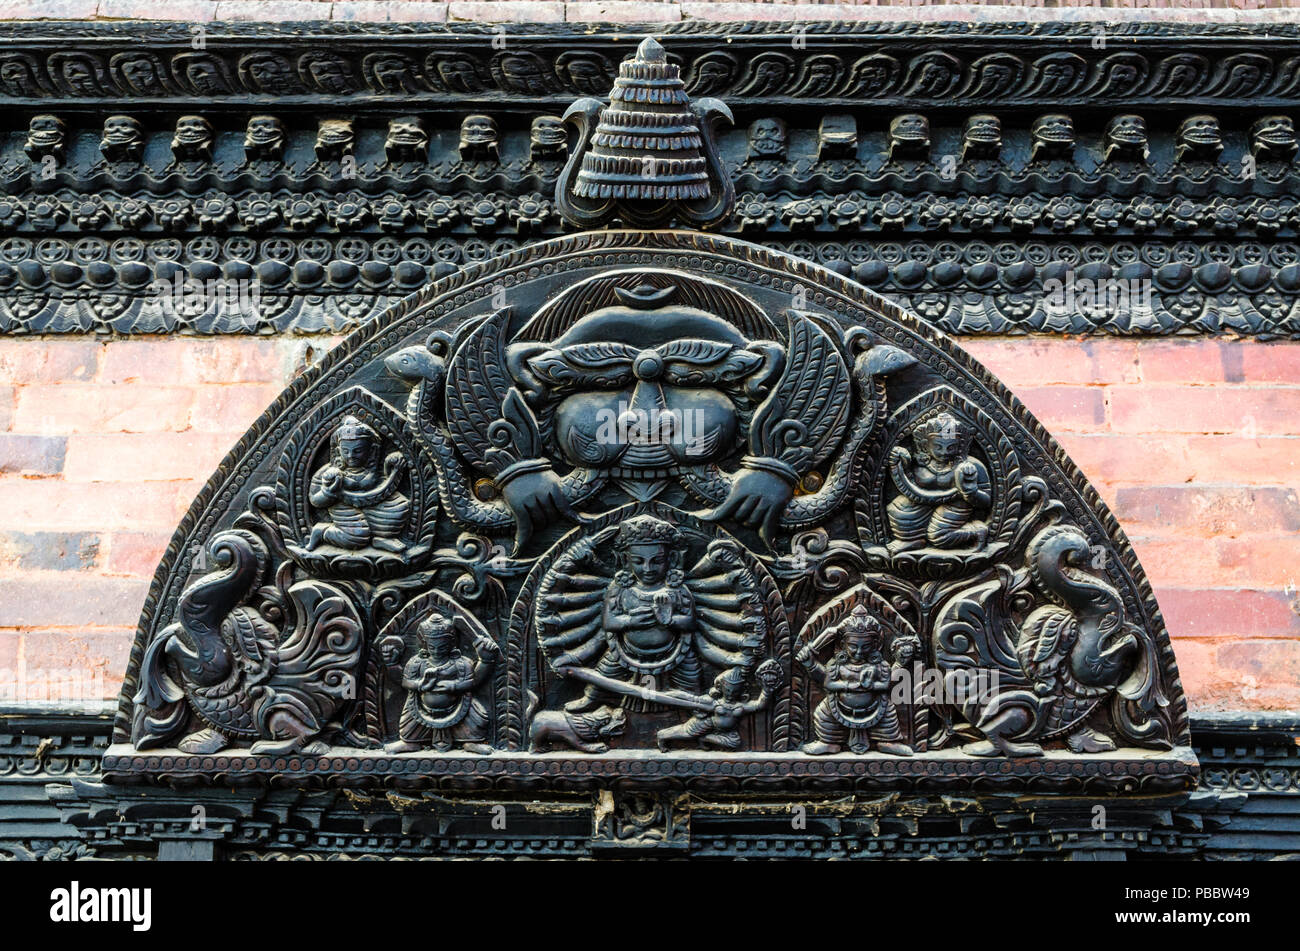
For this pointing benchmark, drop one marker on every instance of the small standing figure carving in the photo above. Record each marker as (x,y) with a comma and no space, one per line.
(441,712)
(479,139)
(46,137)
(941,490)
(767,140)
(856,710)
(264,138)
(547,139)
(123,139)
(982,138)
(1053,138)
(362,500)
(1200,139)
(192,141)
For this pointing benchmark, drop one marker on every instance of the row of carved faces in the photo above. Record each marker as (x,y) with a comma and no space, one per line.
(1199,138)
(123,139)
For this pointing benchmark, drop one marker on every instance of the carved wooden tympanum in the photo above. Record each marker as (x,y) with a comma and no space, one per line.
(655,506)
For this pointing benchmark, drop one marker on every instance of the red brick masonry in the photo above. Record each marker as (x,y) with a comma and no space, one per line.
(1195,445)
(652,11)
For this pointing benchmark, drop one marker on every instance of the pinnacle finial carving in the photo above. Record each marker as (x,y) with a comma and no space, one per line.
(649,156)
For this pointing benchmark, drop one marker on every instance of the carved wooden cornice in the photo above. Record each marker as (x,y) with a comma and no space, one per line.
(1245,759)
(891,64)
(102,235)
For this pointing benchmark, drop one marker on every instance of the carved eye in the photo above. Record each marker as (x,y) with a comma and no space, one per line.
(810,483)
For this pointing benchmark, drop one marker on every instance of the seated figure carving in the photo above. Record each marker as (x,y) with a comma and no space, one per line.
(360,498)
(941,490)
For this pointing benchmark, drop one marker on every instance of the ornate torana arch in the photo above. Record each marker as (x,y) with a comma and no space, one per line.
(718,516)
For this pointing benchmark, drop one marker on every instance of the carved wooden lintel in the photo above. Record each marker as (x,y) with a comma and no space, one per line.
(643,514)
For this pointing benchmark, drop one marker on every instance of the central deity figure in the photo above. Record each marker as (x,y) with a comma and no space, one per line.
(646,630)
(649,614)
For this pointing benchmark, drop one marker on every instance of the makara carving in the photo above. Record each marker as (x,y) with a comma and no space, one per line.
(653,504)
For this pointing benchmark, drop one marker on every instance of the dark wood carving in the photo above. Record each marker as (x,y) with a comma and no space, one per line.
(655,505)
(305,180)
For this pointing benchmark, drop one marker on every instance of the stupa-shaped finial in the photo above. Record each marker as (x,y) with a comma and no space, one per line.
(650,51)
(651,157)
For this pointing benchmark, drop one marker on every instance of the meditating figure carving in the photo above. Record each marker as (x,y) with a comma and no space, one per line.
(941,490)
(362,500)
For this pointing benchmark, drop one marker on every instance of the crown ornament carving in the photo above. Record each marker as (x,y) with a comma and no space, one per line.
(649,157)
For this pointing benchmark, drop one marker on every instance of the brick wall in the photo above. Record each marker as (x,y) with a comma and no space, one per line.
(648,11)
(1194,443)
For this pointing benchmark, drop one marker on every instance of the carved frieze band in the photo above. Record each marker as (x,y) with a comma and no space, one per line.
(1020,181)
(895,63)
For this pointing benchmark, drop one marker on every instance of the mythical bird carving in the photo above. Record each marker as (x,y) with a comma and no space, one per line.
(268,663)
(1060,662)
